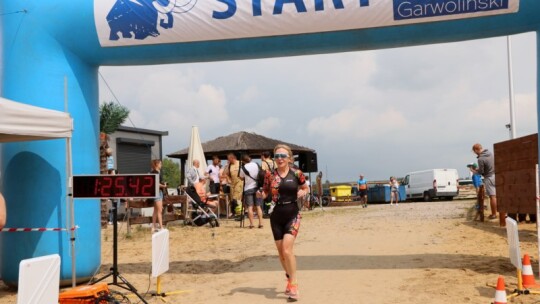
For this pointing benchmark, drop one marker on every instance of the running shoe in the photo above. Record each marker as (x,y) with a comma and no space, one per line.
(288,289)
(293,293)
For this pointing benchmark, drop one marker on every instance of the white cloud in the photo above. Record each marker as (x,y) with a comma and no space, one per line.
(266,126)
(249,95)
(171,99)
(356,123)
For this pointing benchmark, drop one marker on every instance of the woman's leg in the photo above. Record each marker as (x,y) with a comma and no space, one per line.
(158,211)
(259,215)
(289,260)
(279,246)
(154,216)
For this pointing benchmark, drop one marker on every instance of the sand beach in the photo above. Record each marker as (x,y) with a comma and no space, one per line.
(412,253)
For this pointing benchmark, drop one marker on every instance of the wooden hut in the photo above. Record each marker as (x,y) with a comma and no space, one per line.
(244,142)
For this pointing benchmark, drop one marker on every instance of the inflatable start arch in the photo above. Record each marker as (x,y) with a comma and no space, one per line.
(44,41)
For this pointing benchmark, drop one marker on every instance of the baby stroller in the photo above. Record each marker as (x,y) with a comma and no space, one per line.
(202,213)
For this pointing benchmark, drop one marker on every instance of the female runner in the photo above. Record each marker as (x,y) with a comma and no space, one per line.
(285,185)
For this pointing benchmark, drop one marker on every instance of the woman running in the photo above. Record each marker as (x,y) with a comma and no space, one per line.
(285,185)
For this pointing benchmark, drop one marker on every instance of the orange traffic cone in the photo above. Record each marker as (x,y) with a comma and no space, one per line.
(500,292)
(527,274)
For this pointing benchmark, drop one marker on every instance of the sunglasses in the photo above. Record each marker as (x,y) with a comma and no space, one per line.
(281,155)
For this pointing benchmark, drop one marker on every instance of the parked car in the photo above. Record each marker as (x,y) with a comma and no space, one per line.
(431,184)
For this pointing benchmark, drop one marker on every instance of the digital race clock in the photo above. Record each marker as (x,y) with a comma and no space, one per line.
(116,186)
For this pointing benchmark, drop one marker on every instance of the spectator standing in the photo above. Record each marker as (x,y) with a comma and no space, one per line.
(249,173)
(212,172)
(306,204)
(158,201)
(192,174)
(232,171)
(394,191)
(268,165)
(486,168)
(362,190)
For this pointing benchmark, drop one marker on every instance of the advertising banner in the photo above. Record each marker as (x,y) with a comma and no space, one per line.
(137,22)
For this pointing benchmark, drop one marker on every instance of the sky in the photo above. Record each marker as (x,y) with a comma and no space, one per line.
(381,113)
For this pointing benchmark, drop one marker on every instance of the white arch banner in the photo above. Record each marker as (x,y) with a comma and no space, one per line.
(136,22)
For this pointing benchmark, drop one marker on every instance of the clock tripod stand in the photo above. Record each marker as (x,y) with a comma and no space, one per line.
(117,279)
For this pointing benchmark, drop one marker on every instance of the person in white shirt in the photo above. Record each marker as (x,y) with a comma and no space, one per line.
(212,172)
(249,173)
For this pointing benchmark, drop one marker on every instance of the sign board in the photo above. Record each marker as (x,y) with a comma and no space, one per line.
(39,280)
(513,242)
(160,252)
(116,186)
(136,22)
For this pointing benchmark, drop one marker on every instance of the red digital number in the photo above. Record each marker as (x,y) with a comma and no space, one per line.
(148,185)
(106,187)
(134,184)
(96,187)
(119,187)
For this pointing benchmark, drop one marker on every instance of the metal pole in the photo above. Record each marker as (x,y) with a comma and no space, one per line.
(70,208)
(511,89)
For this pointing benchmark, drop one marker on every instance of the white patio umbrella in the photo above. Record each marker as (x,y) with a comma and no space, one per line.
(196,152)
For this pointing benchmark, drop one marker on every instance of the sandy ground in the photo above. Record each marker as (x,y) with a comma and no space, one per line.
(413,253)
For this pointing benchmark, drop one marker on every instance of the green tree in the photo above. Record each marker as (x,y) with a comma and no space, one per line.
(111,116)
(171,172)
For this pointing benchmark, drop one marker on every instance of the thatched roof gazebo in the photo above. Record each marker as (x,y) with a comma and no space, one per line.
(240,142)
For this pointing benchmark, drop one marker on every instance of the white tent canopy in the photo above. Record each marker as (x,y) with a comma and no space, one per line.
(22,122)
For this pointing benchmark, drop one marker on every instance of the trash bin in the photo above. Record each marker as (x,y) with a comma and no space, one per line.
(381,194)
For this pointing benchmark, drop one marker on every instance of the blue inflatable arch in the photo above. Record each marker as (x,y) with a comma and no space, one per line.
(44,41)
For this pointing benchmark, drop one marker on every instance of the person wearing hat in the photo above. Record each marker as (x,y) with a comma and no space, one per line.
(362,190)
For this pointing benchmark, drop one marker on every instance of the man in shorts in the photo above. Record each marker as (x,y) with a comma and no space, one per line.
(486,168)
(248,173)
(362,190)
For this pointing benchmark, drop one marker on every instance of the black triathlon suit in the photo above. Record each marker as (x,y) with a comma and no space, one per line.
(285,219)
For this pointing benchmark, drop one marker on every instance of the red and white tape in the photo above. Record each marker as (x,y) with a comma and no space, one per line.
(37,229)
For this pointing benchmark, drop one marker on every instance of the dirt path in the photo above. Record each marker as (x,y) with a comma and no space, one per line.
(413,253)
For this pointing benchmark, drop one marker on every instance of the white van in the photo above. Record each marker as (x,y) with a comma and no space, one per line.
(430,184)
